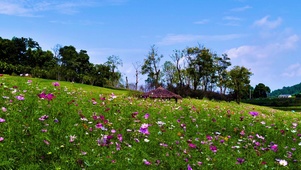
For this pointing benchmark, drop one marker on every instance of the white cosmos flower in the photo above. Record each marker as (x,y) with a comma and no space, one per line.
(283,162)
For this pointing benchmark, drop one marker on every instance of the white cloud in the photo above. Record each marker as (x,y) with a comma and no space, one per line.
(240,9)
(241,51)
(33,7)
(13,9)
(291,42)
(204,21)
(231,18)
(266,23)
(275,46)
(293,70)
(171,39)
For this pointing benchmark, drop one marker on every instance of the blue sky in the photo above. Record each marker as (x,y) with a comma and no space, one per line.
(263,35)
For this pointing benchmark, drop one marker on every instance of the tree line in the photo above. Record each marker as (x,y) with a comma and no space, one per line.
(24,55)
(194,71)
(197,71)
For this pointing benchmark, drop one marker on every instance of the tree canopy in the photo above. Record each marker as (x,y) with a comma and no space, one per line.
(194,71)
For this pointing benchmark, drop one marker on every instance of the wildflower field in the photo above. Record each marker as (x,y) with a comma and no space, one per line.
(60,125)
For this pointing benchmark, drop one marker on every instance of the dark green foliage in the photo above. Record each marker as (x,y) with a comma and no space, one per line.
(240,80)
(261,91)
(293,90)
(25,56)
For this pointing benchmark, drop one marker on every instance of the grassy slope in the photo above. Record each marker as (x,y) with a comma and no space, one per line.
(201,118)
(69,85)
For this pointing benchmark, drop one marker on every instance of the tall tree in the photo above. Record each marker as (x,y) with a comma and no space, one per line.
(261,91)
(58,58)
(201,67)
(169,70)
(222,64)
(151,67)
(240,81)
(113,62)
(177,58)
(137,67)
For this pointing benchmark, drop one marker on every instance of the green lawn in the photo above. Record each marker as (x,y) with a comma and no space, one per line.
(76,126)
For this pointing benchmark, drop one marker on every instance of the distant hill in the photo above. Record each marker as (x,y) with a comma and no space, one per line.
(295,89)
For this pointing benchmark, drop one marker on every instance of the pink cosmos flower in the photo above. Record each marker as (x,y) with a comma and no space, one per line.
(146,116)
(98,126)
(49,96)
(46,142)
(113,96)
(119,137)
(2,120)
(209,138)
(56,84)
(20,97)
(72,138)
(274,147)
(213,148)
(117,146)
(240,160)
(146,162)
(144,129)
(3,109)
(191,145)
(254,114)
(44,130)
(44,117)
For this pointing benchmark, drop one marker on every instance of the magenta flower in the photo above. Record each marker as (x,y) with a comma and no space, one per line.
(146,116)
(209,138)
(98,126)
(274,147)
(146,162)
(44,117)
(56,84)
(254,114)
(144,129)
(213,148)
(240,160)
(134,114)
(1,139)
(191,145)
(189,167)
(43,95)
(119,137)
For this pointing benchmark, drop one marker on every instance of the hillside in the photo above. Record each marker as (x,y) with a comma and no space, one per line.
(64,125)
(295,89)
